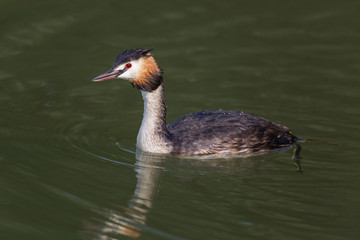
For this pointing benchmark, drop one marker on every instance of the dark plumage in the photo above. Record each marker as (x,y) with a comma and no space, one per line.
(220,131)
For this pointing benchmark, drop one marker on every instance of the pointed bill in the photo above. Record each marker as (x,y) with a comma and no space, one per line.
(107,75)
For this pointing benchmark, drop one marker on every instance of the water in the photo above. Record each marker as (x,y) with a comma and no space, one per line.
(68,162)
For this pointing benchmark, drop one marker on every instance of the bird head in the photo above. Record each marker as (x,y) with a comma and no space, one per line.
(137,66)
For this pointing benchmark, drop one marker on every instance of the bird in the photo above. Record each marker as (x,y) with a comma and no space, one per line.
(214,132)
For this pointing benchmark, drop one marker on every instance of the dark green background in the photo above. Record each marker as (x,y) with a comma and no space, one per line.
(67,164)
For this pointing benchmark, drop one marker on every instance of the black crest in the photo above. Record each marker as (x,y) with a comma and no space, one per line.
(132,54)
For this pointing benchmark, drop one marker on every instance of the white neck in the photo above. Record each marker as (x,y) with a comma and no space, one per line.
(152,133)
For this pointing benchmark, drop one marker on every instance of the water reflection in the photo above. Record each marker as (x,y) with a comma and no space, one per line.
(131,220)
(148,175)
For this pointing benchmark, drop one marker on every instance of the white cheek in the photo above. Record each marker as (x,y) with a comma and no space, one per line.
(132,72)
(127,75)
(120,67)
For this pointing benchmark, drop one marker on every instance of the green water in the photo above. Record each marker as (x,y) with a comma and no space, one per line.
(68,162)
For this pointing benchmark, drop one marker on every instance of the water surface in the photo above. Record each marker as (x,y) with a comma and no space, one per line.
(68,162)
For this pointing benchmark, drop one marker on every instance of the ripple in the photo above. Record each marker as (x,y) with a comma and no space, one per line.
(82,135)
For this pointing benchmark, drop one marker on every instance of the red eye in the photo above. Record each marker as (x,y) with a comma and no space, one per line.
(128,65)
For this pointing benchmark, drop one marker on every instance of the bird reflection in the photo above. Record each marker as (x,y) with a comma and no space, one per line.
(131,220)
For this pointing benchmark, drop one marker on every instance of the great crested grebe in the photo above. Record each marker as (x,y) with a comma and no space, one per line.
(199,133)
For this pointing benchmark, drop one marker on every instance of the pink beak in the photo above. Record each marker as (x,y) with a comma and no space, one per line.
(107,75)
